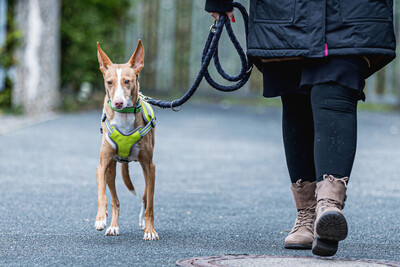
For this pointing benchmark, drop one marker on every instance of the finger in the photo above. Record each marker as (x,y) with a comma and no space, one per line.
(231,16)
(215,15)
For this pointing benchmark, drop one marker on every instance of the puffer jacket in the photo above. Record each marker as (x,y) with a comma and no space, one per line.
(319,28)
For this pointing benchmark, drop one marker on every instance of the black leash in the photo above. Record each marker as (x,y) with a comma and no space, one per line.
(211,51)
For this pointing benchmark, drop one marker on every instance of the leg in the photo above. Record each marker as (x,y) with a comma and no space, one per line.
(110,178)
(142,223)
(335,119)
(101,216)
(298,137)
(106,154)
(149,171)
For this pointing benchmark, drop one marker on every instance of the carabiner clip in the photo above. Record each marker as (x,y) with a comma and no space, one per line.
(144,97)
(213,27)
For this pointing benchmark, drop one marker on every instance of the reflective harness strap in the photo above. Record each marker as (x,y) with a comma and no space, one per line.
(129,140)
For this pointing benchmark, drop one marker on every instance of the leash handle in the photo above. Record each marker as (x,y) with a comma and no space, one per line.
(211,51)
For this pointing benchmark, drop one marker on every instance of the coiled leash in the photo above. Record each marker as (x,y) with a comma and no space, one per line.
(211,51)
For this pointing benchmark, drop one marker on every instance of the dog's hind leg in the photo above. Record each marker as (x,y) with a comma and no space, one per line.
(110,178)
(126,178)
(149,171)
(142,223)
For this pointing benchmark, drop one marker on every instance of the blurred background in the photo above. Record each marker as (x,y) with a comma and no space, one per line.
(48,55)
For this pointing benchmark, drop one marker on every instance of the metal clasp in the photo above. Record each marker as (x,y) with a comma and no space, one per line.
(174,108)
(144,97)
(250,69)
(213,27)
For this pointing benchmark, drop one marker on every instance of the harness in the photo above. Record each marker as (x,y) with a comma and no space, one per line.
(124,142)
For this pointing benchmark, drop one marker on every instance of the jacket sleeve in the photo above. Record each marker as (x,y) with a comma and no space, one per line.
(219,5)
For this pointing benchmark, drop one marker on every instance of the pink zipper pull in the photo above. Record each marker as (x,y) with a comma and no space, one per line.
(325,50)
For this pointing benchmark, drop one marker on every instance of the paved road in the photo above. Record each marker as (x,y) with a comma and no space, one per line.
(222,188)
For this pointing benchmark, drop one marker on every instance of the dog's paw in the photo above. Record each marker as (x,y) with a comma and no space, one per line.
(112,231)
(100,225)
(150,235)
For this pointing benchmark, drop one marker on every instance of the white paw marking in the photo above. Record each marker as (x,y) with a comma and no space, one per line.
(141,217)
(100,225)
(151,236)
(112,231)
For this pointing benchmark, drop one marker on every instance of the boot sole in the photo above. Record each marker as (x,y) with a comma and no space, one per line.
(324,247)
(298,246)
(331,228)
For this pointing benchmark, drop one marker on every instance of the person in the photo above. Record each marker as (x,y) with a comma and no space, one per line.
(316,55)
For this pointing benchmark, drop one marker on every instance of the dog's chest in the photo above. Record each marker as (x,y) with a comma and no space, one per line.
(125,122)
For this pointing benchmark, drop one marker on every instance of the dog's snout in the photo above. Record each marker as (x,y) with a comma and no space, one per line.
(118,103)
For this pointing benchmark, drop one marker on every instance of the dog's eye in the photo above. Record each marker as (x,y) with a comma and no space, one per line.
(126,81)
(109,82)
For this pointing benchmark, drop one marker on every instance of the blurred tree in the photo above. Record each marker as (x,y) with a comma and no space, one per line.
(182,54)
(83,24)
(7,55)
(150,29)
(36,76)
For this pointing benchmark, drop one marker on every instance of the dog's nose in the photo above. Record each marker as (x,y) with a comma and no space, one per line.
(118,103)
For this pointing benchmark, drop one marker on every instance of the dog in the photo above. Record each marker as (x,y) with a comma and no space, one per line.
(128,127)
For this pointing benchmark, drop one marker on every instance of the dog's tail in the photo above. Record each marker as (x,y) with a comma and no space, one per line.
(126,178)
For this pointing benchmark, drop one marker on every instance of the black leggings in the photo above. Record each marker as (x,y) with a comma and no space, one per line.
(320,132)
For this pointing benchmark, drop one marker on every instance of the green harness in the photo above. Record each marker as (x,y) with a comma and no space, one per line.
(124,142)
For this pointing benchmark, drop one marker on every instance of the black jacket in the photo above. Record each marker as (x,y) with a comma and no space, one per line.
(317,28)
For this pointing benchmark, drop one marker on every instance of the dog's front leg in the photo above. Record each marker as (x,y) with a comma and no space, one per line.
(149,172)
(101,216)
(110,178)
(106,154)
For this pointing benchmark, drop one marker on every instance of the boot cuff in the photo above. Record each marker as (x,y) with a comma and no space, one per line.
(332,188)
(303,194)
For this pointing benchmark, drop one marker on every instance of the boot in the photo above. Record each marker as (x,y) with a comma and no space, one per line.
(330,223)
(302,234)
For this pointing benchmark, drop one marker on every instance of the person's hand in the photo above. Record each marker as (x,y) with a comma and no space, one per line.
(230,15)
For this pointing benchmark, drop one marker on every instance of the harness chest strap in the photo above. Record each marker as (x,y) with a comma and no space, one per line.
(124,142)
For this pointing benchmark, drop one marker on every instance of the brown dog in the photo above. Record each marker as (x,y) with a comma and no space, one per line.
(128,134)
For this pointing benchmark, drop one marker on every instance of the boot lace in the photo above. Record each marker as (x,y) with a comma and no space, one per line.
(305,218)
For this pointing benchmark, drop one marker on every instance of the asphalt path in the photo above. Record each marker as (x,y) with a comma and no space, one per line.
(221,188)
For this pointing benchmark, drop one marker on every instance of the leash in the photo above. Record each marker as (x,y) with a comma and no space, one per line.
(211,51)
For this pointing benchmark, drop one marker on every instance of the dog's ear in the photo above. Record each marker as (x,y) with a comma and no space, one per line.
(136,61)
(104,61)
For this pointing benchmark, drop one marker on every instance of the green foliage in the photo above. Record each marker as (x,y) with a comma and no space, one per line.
(84,23)
(5,97)
(7,56)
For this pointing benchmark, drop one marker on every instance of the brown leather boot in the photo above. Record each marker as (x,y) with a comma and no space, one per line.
(302,234)
(330,224)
